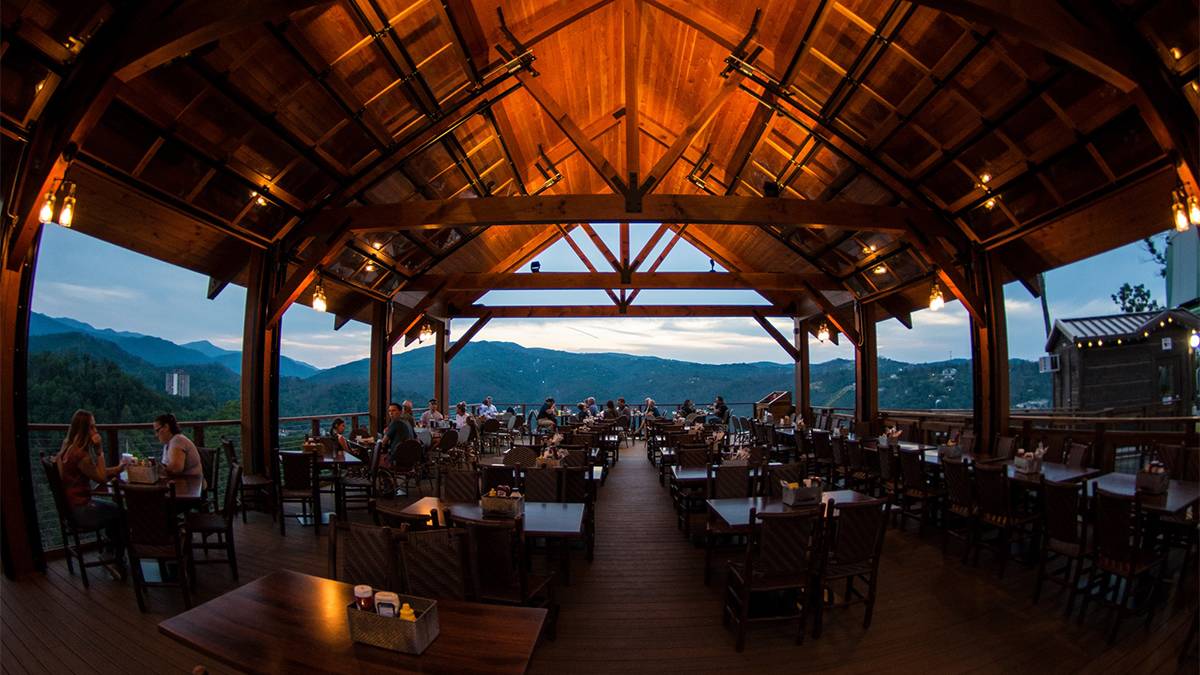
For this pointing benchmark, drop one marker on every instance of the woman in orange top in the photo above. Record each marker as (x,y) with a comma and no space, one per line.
(80,460)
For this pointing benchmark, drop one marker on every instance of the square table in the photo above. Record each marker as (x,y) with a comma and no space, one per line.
(697,476)
(735,513)
(189,490)
(1179,496)
(292,622)
(1053,471)
(334,461)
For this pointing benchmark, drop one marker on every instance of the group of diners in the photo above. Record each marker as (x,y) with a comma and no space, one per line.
(550,416)
(1118,540)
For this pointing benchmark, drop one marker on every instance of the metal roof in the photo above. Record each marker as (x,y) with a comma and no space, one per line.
(1116,325)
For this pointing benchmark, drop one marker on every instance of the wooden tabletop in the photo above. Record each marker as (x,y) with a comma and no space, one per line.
(1180,494)
(698,474)
(340,457)
(187,488)
(736,512)
(289,622)
(593,472)
(1053,471)
(542,519)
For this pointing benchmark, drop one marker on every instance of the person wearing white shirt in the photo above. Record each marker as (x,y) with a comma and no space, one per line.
(487,410)
(432,414)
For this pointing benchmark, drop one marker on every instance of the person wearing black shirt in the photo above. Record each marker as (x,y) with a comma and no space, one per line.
(610,410)
(547,417)
(398,431)
(622,407)
(720,411)
(687,408)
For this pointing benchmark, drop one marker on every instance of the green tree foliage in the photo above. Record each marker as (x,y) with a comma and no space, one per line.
(1134,299)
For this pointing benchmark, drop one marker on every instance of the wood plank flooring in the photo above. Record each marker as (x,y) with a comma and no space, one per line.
(641,606)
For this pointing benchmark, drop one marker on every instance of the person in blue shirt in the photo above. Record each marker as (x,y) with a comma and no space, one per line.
(592,409)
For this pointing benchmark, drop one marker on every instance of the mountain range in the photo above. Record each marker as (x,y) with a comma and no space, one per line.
(73,364)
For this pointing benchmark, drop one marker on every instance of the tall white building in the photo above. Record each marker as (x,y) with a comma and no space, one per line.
(178,383)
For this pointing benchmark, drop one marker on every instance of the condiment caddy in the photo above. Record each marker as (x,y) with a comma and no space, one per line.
(142,471)
(401,623)
(502,501)
(1029,462)
(805,492)
(1153,478)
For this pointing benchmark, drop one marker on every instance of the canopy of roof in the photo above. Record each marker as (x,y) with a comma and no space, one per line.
(1035,133)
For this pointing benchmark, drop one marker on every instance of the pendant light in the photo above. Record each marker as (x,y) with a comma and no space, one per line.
(936,299)
(318,299)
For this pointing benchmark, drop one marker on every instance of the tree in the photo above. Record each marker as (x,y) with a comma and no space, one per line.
(1157,256)
(1134,299)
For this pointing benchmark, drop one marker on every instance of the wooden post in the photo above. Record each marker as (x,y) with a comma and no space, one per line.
(198,435)
(441,367)
(866,368)
(21,549)
(260,366)
(315,427)
(803,398)
(380,386)
(989,353)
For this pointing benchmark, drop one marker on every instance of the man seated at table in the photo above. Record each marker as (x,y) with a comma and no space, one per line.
(592,409)
(487,411)
(547,417)
(622,407)
(398,430)
(432,414)
(687,408)
(720,411)
(651,409)
(581,411)
(179,455)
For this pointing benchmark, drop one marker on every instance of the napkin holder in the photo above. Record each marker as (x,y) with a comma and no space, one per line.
(1153,483)
(502,507)
(145,474)
(394,633)
(1027,464)
(802,496)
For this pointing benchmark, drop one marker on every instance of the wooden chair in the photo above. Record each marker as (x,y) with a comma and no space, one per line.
(889,477)
(255,489)
(1122,557)
(996,509)
(541,484)
(724,482)
(1064,534)
(856,474)
(405,468)
(363,554)
(219,524)
(783,551)
(521,455)
(300,483)
(458,485)
(433,563)
(854,544)
(822,450)
(70,528)
(210,466)
(497,567)
(1005,448)
(1056,450)
(577,489)
(359,481)
(791,473)
(959,505)
(1078,455)
(917,489)
(153,533)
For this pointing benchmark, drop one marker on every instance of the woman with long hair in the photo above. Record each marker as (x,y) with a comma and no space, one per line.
(80,460)
(179,455)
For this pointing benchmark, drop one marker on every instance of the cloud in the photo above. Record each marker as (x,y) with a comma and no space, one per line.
(89,294)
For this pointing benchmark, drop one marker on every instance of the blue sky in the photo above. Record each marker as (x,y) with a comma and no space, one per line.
(110,287)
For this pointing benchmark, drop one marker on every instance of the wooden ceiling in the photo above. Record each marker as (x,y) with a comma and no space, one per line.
(1046,136)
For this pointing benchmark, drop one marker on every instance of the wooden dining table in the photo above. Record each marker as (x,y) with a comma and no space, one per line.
(189,490)
(696,476)
(1053,471)
(334,461)
(288,622)
(735,513)
(1179,496)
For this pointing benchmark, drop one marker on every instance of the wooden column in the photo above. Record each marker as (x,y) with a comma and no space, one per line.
(866,367)
(20,537)
(381,366)
(441,367)
(989,352)
(260,365)
(803,397)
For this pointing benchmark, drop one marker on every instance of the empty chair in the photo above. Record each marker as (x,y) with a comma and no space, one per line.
(1078,455)
(822,449)
(218,525)
(791,473)
(358,481)
(495,476)
(959,506)
(153,533)
(851,554)
(299,484)
(889,476)
(917,490)
(433,563)
(210,466)
(497,570)
(256,489)
(541,484)
(782,553)
(994,498)
(363,554)
(1065,535)
(578,489)
(458,485)
(1005,447)
(724,482)
(694,456)
(1056,450)
(520,455)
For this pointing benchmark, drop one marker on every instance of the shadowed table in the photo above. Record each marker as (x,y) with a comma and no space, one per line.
(1180,493)
(735,513)
(291,622)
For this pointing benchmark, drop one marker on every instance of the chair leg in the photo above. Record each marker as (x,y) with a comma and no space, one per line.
(870,601)
(1005,545)
(62,531)
(1073,579)
(1041,573)
(743,617)
(817,598)
(82,562)
(1122,595)
(242,495)
(708,547)
(139,581)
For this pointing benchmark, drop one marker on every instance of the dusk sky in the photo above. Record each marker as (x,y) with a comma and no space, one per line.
(110,287)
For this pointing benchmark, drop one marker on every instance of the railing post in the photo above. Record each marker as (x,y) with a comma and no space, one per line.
(198,435)
(112,442)
(316,427)
(1107,457)
(1027,433)
(353,423)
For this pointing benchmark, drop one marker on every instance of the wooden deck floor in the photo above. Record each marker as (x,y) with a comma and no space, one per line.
(641,606)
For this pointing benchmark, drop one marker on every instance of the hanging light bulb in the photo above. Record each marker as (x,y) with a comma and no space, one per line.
(879,269)
(46,214)
(1194,340)
(426,332)
(318,298)
(936,300)
(370,266)
(1194,210)
(990,203)
(1179,212)
(67,215)
(823,332)
(985,178)
(377,245)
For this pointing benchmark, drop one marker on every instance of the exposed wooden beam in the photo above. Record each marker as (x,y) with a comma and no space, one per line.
(601,246)
(632,15)
(655,280)
(586,208)
(649,246)
(410,320)
(548,21)
(947,271)
(325,252)
(662,255)
(728,259)
(600,311)
(830,312)
(624,234)
(697,124)
(774,333)
(897,308)
(586,262)
(466,337)
(563,121)
(710,25)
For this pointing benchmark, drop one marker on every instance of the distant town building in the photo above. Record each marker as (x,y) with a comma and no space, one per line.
(178,383)
(1139,360)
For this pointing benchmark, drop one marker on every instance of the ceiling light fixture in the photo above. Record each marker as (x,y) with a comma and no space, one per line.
(46,214)
(990,203)
(1179,212)
(985,178)
(823,332)
(879,269)
(1194,340)
(377,245)
(936,299)
(1193,210)
(319,302)
(67,215)
(1176,53)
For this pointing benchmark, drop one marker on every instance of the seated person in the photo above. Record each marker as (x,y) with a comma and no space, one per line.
(610,410)
(687,408)
(651,409)
(592,409)
(461,417)
(406,414)
(622,407)
(547,417)
(179,455)
(337,431)
(80,460)
(581,412)
(432,414)
(487,411)
(398,430)
(720,411)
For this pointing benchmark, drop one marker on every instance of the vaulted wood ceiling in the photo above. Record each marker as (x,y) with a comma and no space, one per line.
(241,143)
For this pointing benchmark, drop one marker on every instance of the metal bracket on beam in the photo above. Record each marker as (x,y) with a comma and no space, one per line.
(550,172)
(700,170)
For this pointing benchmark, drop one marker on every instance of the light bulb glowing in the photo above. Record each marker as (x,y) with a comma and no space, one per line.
(990,203)
(46,214)
(370,267)
(1176,53)
(985,178)
(879,269)
(318,299)
(377,245)
(1194,210)
(67,215)
(936,299)
(823,333)
(1194,340)
(1181,217)
(869,249)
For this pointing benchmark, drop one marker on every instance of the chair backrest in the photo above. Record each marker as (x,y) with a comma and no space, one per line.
(576,488)
(854,456)
(229,508)
(1180,460)
(495,550)
(1005,447)
(458,485)
(363,554)
(1062,510)
(490,426)
(230,452)
(494,476)
(448,441)
(858,537)
(992,490)
(691,456)
(888,470)
(149,512)
(408,454)
(822,446)
(729,482)
(912,468)
(54,479)
(1118,525)
(520,455)
(958,482)
(785,545)
(791,473)
(541,484)
(1055,450)
(966,440)
(433,563)
(298,469)
(575,457)
(1077,455)
(210,463)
